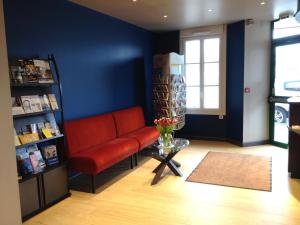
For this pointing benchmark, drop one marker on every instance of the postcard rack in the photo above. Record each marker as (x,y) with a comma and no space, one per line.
(169,87)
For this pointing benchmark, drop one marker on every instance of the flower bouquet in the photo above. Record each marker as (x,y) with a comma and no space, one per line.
(166,127)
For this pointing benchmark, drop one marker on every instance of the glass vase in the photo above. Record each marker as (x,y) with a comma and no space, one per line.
(166,142)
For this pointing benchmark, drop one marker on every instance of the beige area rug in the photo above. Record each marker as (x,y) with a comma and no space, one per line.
(234,170)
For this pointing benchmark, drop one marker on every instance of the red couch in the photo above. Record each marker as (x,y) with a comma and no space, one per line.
(98,142)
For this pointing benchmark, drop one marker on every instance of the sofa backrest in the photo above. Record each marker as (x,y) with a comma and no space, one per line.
(88,132)
(129,120)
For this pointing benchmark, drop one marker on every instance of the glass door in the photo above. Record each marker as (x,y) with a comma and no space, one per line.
(285,76)
(286,83)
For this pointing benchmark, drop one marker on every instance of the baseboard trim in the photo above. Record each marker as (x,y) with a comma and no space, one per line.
(255,143)
(193,137)
(235,142)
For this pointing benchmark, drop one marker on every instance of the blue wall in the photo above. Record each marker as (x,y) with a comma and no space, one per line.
(235,81)
(105,63)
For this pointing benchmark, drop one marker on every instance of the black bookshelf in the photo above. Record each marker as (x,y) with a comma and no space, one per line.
(41,190)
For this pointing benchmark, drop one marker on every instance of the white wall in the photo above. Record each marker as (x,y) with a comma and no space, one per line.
(257,78)
(10,213)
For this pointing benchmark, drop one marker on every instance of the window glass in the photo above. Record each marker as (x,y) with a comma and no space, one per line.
(192,51)
(203,75)
(212,50)
(192,73)
(211,97)
(211,73)
(286,28)
(193,97)
(287,70)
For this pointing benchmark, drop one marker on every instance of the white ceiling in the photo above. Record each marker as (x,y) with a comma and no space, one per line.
(188,13)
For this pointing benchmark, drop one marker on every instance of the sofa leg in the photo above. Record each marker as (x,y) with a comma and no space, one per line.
(131,162)
(136,158)
(93,185)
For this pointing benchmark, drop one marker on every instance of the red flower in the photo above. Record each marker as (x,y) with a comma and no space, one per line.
(165,122)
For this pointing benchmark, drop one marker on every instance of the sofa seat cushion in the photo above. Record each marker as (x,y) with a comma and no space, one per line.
(98,158)
(145,136)
(129,120)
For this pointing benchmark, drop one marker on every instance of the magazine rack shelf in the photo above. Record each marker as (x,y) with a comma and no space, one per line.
(36,113)
(39,141)
(35,85)
(169,87)
(45,187)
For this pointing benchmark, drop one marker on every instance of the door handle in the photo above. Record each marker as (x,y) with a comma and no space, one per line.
(278,99)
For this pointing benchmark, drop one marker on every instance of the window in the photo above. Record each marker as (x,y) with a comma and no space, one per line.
(286,28)
(205,74)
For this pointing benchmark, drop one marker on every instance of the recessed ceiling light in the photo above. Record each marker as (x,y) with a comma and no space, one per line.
(134,0)
(262,3)
(165,16)
(210,10)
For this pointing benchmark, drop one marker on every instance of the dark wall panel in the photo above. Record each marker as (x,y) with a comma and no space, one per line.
(204,127)
(165,42)
(235,80)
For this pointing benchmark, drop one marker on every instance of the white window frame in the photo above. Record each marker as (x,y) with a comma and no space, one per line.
(202,34)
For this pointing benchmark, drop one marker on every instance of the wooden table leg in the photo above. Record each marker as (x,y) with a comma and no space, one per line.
(158,173)
(174,169)
(177,164)
(158,167)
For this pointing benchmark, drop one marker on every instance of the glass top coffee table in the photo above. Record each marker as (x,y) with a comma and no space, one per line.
(166,158)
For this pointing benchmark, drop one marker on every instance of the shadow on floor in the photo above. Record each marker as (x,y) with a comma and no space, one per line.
(82,182)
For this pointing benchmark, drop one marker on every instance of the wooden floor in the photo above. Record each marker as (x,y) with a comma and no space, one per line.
(130,200)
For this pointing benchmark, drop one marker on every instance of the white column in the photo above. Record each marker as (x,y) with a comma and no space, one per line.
(10,213)
(257,78)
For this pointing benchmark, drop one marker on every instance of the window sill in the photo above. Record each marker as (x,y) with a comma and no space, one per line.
(207,112)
